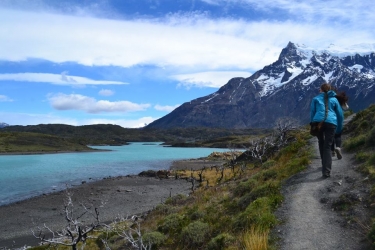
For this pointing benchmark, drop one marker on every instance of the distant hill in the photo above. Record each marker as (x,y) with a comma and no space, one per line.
(26,142)
(107,134)
(283,89)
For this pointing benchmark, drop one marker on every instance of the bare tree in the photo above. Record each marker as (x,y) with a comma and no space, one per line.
(130,230)
(75,231)
(282,127)
(200,174)
(221,169)
(232,156)
(259,148)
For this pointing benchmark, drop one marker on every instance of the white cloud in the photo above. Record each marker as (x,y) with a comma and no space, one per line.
(166,108)
(208,79)
(90,105)
(4,98)
(106,92)
(62,79)
(198,43)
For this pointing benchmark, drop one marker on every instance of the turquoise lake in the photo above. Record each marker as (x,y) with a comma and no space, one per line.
(25,176)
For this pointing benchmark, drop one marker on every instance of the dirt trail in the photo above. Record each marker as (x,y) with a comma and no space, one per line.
(311,213)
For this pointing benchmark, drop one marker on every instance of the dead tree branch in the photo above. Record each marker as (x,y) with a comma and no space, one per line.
(75,230)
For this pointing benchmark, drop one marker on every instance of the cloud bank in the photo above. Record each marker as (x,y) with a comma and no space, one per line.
(62,79)
(91,105)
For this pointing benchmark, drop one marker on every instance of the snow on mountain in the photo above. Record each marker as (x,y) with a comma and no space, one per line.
(3,124)
(282,89)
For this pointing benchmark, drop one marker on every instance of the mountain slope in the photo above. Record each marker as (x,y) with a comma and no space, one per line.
(282,89)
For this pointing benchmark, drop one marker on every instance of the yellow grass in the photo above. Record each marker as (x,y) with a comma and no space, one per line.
(255,239)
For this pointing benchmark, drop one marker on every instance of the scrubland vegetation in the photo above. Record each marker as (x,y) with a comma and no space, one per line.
(360,133)
(232,206)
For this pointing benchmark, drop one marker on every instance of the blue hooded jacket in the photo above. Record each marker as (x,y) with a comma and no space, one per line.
(335,114)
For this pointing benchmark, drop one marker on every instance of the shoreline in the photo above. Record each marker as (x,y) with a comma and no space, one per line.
(54,152)
(122,196)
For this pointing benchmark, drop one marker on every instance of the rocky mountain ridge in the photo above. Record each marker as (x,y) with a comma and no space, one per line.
(279,90)
(3,124)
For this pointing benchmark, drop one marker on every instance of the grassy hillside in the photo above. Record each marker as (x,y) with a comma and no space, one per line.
(360,139)
(25,142)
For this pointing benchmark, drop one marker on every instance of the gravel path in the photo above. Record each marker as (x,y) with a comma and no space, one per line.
(310,218)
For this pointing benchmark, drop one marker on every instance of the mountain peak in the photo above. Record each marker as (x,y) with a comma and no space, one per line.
(283,89)
(3,124)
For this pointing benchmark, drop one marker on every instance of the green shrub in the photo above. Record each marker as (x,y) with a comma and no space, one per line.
(258,214)
(371,235)
(244,187)
(164,209)
(370,140)
(196,215)
(269,174)
(172,224)
(371,160)
(268,164)
(354,143)
(220,242)
(267,189)
(104,236)
(245,200)
(364,125)
(154,239)
(195,234)
(362,156)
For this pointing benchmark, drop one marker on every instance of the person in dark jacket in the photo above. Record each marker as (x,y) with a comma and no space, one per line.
(332,124)
(336,145)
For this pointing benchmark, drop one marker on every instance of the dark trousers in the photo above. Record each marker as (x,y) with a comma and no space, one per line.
(325,140)
(336,142)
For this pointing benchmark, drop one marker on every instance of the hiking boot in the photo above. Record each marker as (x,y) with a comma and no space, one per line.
(338,152)
(333,153)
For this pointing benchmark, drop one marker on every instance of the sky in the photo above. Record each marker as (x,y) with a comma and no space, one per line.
(130,62)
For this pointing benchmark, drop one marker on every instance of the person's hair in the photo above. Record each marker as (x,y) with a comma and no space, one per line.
(342,98)
(325,87)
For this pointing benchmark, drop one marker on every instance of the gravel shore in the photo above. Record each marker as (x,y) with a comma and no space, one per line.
(121,196)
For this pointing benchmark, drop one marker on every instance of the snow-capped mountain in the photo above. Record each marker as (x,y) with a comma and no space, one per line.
(283,89)
(3,124)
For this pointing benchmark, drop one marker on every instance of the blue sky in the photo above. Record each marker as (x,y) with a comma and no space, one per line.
(129,62)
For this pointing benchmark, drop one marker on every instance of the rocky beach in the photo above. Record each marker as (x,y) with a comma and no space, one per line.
(115,197)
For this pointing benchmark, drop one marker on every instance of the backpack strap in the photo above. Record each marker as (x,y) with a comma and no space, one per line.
(326,105)
(320,124)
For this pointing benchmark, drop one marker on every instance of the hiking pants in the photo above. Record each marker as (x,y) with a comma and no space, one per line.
(336,142)
(325,140)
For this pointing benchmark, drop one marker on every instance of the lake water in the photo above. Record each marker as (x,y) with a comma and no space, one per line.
(25,176)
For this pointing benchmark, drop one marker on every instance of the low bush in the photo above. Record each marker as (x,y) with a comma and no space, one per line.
(172,224)
(153,239)
(354,143)
(257,214)
(195,234)
(220,242)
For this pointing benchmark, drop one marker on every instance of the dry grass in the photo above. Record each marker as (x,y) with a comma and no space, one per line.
(255,239)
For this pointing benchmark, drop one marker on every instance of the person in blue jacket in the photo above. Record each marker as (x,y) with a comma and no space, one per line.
(331,125)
